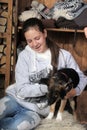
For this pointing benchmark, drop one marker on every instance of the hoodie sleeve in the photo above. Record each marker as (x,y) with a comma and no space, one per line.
(23,86)
(83,78)
(71,63)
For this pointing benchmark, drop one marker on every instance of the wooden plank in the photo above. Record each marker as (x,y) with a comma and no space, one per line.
(59,29)
(15,41)
(8,35)
(64,30)
(2,70)
(9,41)
(3,35)
(4,1)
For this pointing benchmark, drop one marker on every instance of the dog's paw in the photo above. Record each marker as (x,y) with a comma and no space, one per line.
(59,116)
(50,116)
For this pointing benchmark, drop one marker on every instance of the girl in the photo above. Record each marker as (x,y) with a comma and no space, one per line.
(25,103)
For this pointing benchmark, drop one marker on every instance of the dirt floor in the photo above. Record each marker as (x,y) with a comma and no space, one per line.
(68,123)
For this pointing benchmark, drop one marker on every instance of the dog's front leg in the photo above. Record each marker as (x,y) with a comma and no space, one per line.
(52,110)
(61,109)
(72,104)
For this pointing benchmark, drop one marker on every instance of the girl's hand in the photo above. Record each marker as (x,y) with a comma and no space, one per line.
(70,94)
(85,31)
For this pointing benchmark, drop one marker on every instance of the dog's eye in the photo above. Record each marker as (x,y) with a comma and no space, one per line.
(56,93)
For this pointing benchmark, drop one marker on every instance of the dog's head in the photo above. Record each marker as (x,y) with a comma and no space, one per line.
(59,83)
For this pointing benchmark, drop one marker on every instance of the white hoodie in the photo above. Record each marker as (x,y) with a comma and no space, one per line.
(30,68)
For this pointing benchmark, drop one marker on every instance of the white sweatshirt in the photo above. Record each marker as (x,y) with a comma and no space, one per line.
(30,68)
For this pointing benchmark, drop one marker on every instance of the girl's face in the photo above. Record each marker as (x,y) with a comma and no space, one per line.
(36,39)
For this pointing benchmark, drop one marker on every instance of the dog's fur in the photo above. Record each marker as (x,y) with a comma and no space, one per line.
(60,82)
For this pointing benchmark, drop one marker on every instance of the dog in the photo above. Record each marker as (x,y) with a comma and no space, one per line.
(60,82)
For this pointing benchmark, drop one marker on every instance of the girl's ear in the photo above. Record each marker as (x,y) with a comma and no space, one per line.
(45,32)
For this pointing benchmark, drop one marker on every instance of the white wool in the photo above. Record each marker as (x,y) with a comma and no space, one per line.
(34,3)
(29,14)
(62,13)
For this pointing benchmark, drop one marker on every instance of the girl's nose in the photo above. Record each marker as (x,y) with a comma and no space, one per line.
(34,43)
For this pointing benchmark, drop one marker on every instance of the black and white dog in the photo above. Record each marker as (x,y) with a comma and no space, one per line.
(60,82)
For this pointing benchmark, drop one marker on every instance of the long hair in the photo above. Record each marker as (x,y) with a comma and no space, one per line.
(54,48)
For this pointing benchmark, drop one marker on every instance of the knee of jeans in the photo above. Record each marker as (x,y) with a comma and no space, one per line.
(3,105)
(25,125)
(28,124)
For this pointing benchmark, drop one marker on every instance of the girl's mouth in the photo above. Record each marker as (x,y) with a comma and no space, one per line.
(37,47)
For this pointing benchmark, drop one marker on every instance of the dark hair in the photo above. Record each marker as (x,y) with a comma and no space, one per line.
(31,23)
(34,22)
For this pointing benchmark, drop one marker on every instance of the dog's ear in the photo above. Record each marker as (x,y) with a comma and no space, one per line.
(44,81)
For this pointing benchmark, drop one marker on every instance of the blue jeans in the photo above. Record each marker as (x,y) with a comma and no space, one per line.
(15,117)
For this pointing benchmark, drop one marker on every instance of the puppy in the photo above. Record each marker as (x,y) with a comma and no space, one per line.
(60,82)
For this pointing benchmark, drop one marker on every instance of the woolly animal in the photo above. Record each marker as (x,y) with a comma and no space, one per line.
(32,12)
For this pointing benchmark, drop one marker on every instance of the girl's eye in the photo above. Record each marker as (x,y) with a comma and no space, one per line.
(37,38)
(29,41)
